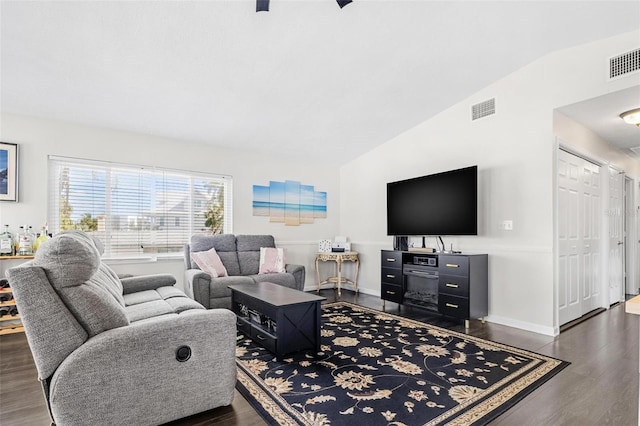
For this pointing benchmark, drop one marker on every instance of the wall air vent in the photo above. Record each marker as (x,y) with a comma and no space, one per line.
(483,109)
(624,64)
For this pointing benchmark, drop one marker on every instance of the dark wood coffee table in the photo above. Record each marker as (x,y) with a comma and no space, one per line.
(278,318)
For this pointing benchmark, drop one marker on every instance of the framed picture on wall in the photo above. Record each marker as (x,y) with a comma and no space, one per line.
(8,171)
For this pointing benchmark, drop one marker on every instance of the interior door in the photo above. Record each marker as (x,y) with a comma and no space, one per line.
(616,237)
(590,225)
(631,218)
(579,236)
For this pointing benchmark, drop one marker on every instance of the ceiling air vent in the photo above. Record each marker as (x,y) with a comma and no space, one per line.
(483,109)
(624,64)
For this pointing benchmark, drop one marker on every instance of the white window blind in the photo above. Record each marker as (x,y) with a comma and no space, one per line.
(136,211)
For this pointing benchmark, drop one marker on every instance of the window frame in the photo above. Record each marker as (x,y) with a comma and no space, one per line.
(194,197)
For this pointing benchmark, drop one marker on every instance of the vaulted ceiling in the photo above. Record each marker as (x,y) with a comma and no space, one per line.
(304,78)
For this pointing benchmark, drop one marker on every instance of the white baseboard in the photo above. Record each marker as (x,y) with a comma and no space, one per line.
(523,325)
(369,291)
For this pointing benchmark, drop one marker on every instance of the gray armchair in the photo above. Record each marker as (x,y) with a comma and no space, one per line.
(135,351)
(240,255)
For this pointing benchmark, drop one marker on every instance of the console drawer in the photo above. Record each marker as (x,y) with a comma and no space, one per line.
(455,285)
(243,327)
(456,265)
(457,307)
(391,276)
(266,340)
(392,293)
(391,259)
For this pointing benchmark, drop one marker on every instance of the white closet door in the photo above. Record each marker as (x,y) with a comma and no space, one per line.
(579,206)
(591,243)
(616,239)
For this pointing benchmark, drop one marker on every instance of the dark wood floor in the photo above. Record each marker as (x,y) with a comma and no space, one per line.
(600,387)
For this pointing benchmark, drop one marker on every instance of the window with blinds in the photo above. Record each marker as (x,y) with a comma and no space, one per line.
(136,211)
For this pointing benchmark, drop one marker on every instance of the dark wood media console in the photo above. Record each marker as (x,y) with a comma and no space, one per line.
(455,285)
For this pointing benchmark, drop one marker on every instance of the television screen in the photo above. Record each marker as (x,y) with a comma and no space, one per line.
(439,204)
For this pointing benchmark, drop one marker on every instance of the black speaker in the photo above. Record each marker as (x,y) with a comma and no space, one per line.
(401,243)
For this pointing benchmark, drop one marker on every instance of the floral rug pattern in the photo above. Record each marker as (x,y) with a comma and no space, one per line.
(376,368)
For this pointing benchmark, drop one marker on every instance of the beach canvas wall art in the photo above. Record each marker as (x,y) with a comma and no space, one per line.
(289,202)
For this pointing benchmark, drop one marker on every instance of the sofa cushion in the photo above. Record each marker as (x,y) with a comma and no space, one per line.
(109,281)
(254,242)
(168,292)
(249,251)
(219,286)
(69,259)
(149,309)
(209,262)
(141,297)
(271,260)
(182,304)
(151,303)
(249,262)
(225,245)
(71,262)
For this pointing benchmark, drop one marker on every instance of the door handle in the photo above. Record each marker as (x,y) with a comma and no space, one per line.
(391,260)
(451,305)
(620,243)
(451,285)
(452,265)
(391,292)
(391,276)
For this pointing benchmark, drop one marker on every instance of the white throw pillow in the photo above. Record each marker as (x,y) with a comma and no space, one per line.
(210,262)
(271,260)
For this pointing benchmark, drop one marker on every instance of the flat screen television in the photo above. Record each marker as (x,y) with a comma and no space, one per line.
(438,204)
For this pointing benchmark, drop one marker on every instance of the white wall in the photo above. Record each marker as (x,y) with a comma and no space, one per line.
(585,141)
(38,138)
(514,151)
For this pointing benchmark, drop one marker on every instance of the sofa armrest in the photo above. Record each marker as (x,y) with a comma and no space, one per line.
(197,285)
(146,282)
(131,375)
(298,273)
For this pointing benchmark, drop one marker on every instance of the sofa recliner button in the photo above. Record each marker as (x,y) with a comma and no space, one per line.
(183,353)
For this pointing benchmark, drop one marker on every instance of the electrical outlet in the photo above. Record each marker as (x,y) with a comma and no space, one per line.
(507,225)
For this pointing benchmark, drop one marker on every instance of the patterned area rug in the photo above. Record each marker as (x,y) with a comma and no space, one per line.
(377,368)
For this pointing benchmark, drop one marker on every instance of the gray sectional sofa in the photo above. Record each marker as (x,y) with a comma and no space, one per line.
(135,351)
(240,255)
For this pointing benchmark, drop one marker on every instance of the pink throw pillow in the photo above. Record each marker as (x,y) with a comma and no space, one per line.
(271,260)
(210,262)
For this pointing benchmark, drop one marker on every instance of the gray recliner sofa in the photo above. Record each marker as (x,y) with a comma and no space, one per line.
(240,255)
(135,351)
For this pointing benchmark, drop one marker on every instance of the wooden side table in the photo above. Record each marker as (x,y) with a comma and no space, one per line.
(338,258)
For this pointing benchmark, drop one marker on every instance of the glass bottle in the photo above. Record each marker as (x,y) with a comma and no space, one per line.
(32,237)
(25,245)
(44,236)
(6,242)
